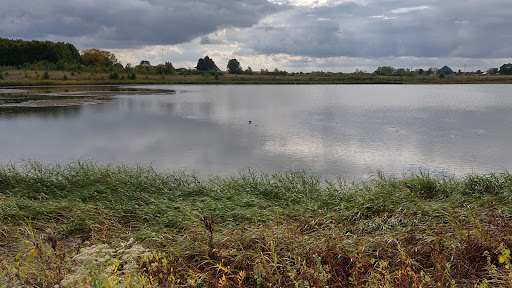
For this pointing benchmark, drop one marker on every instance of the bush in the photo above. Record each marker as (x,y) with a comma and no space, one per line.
(114,76)
(46,75)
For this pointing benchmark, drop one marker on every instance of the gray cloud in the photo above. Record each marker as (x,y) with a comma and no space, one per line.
(126,23)
(394,28)
(322,35)
(205,40)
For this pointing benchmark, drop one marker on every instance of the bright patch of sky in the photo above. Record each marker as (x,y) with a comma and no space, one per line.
(409,9)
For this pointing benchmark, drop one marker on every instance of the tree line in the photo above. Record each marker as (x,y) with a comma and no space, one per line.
(505,69)
(64,56)
(19,52)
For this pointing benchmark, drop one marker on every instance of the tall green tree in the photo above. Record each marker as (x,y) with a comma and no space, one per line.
(166,68)
(206,64)
(234,67)
(385,70)
(19,52)
(506,69)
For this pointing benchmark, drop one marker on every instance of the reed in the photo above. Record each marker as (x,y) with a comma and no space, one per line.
(85,224)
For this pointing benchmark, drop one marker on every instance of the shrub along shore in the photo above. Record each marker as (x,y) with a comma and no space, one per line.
(88,225)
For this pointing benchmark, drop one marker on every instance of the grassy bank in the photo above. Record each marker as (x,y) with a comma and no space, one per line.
(87,225)
(38,78)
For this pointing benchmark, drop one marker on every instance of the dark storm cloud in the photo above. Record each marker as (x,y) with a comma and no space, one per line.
(393,28)
(126,23)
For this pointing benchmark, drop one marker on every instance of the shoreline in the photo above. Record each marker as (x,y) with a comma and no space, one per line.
(17,78)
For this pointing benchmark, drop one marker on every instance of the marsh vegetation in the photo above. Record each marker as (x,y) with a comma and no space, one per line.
(130,226)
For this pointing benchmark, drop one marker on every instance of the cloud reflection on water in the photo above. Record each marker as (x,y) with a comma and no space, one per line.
(351,131)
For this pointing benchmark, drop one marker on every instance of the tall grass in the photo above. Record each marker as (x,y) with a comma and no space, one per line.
(131,226)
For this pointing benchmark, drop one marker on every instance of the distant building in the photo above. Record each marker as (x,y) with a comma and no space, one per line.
(145,63)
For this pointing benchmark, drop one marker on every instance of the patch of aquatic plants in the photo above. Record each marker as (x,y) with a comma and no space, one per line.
(85,224)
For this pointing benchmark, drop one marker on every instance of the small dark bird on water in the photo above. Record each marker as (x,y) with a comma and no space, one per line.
(250,121)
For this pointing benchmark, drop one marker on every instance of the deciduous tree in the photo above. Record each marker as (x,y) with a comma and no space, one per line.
(506,69)
(234,67)
(96,57)
(19,52)
(206,64)
(492,71)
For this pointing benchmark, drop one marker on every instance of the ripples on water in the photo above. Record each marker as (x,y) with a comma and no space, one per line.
(332,130)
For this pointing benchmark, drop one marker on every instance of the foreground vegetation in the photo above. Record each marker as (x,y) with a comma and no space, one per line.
(87,225)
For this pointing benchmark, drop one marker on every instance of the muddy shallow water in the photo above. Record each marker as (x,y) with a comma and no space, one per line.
(53,96)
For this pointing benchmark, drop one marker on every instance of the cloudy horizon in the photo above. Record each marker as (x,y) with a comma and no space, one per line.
(291,35)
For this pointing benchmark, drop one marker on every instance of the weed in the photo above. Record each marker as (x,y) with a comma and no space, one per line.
(85,224)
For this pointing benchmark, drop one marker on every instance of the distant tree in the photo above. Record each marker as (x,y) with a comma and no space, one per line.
(201,65)
(279,72)
(248,70)
(114,76)
(128,68)
(445,70)
(118,66)
(506,69)
(478,72)
(166,68)
(420,71)
(20,52)
(234,67)
(492,71)
(432,70)
(402,71)
(98,58)
(206,64)
(385,70)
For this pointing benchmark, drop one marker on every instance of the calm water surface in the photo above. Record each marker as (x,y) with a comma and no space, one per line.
(332,130)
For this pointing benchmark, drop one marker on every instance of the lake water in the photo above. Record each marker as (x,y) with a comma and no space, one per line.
(331,130)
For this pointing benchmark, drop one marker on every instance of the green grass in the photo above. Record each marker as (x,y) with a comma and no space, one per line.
(131,226)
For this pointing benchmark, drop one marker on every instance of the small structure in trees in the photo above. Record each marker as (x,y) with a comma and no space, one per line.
(145,63)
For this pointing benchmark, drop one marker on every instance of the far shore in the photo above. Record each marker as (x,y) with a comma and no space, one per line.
(16,78)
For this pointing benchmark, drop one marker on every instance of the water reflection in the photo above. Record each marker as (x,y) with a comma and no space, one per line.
(54,112)
(350,131)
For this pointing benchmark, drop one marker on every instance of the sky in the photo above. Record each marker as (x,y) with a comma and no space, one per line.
(291,35)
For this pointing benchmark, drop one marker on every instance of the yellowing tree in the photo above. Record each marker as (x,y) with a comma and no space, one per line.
(96,57)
